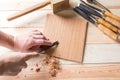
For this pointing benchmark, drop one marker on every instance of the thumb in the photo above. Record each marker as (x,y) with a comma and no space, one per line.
(27,56)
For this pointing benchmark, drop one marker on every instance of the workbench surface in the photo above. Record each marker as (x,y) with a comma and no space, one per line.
(101,57)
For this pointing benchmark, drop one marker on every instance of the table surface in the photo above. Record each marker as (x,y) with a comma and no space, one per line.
(100,50)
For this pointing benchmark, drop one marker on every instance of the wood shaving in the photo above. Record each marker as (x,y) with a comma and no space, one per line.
(52,65)
(38,70)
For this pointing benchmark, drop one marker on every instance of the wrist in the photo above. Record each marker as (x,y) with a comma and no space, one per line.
(17,46)
(6,40)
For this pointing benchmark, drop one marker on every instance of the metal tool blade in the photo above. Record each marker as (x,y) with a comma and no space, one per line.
(84,15)
(56,43)
(90,10)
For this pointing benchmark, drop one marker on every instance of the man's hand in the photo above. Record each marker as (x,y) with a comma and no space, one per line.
(30,41)
(13,63)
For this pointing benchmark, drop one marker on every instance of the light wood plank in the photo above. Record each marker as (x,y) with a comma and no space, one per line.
(70,35)
(86,71)
(94,53)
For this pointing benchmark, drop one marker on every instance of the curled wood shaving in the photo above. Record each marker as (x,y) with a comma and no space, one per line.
(52,64)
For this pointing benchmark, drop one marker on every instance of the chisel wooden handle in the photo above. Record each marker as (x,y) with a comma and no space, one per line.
(28,10)
(108,25)
(108,32)
(112,15)
(113,21)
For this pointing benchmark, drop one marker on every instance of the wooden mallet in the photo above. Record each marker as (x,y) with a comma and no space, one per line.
(57,5)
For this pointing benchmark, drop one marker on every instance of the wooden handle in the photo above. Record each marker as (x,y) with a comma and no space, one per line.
(108,25)
(112,16)
(28,10)
(113,21)
(108,32)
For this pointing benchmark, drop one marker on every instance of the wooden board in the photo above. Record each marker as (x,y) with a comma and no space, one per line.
(72,72)
(70,32)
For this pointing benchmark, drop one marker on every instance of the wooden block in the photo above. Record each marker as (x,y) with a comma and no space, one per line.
(59,5)
(70,32)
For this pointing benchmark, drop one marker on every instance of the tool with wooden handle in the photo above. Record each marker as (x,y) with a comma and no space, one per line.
(107,12)
(113,21)
(89,10)
(44,48)
(57,5)
(102,27)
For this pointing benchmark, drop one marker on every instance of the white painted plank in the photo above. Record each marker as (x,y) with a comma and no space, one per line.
(94,35)
(34,19)
(38,20)
(110,3)
(99,53)
(22,4)
(102,53)
(19,4)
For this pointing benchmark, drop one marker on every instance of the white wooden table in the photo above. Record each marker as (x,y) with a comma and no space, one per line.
(102,54)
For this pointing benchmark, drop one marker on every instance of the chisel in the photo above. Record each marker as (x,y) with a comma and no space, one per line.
(111,17)
(100,19)
(103,28)
(56,43)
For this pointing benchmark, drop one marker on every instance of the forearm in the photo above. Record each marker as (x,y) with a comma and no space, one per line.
(6,40)
(1,67)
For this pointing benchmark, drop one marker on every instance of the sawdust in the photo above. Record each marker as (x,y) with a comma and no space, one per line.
(52,65)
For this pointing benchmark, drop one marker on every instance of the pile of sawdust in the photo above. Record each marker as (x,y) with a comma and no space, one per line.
(52,64)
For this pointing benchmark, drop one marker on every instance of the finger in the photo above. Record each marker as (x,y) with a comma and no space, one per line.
(30,55)
(35,47)
(22,64)
(39,37)
(42,52)
(34,30)
(37,33)
(43,42)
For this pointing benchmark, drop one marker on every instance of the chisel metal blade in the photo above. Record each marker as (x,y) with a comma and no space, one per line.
(84,15)
(56,43)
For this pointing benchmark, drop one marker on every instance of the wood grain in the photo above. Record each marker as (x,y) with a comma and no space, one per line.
(85,71)
(114,22)
(116,17)
(99,49)
(28,10)
(71,34)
